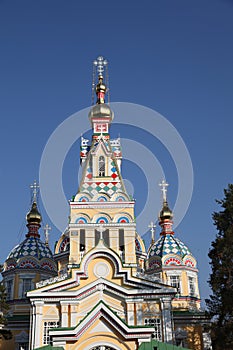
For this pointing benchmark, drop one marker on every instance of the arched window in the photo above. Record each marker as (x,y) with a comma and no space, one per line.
(101,166)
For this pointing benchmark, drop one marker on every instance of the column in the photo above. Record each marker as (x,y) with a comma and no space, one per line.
(114,238)
(130,256)
(64,313)
(90,238)
(74,247)
(32,327)
(167,320)
(38,323)
(139,313)
(73,313)
(130,312)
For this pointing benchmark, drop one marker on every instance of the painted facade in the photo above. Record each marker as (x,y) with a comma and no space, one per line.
(105,291)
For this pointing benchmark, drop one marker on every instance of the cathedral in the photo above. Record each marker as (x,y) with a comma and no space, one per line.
(102,289)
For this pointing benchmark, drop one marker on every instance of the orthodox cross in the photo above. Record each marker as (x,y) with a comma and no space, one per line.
(164,186)
(152,227)
(35,187)
(47,228)
(101,230)
(100,62)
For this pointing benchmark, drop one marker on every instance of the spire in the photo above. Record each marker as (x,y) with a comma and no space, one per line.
(100,65)
(100,114)
(34,216)
(165,214)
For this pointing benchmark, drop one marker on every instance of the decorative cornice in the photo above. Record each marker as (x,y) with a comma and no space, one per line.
(101,205)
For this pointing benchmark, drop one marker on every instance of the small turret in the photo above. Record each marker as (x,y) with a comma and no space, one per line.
(165,215)
(34,217)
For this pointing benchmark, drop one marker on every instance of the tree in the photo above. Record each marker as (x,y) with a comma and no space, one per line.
(4,307)
(220,304)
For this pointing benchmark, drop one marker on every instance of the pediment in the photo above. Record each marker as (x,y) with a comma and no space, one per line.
(102,318)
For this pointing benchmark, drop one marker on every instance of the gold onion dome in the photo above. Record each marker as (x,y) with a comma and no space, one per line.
(34,215)
(100,87)
(166,212)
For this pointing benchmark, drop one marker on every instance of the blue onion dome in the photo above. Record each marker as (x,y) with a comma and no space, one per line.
(169,244)
(31,246)
(32,252)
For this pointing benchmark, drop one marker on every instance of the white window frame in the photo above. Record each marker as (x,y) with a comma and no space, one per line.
(26,276)
(156,323)
(47,325)
(177,273)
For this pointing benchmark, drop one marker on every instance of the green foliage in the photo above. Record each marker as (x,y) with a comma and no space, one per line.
(220,304)
(4,307)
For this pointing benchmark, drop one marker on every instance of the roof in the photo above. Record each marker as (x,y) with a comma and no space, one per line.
(50,347)
(169,244)
(31,246)
(154,344)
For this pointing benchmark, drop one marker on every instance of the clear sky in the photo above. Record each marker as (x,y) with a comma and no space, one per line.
(172,56)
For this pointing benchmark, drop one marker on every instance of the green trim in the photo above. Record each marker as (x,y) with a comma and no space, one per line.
(100,302)
(155,344)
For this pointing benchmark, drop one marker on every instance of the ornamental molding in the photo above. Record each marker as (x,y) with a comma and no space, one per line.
(51,280)
(106,225)
(101,205)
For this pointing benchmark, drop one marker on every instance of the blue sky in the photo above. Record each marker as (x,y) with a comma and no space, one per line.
(172,56)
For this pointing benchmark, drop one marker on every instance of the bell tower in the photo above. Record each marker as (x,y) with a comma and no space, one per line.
(102,206)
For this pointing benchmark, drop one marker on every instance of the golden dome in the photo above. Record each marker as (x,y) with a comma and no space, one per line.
(34,216)
(166,212)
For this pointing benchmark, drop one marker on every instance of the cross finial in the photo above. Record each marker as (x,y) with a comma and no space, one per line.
(164,186)
(47,228)
(152,227)
(101,230)
(35,187)
(100,63)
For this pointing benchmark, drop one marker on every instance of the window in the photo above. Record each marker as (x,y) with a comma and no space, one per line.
(191,286)
(105,236)
(9,289)
(26,286)
(122,244)
(47,326)
(82,242)
(175,282)
(156,323)
(101,166)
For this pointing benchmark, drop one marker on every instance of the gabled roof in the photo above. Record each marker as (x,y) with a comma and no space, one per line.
(101,310)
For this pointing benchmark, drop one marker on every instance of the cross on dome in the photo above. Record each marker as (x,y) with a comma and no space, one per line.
(47,228)
(100,62)
(152,227)
(164,186)
(35,189)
